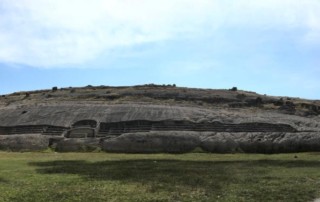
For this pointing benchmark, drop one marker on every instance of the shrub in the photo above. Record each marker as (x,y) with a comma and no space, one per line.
(55,88)
(233,89)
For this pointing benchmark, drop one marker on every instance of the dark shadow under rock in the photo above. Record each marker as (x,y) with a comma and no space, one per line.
(78,145)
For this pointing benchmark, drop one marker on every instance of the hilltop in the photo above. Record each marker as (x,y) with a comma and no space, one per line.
(162,95)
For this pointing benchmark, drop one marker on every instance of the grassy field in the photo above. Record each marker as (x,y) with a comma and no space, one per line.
(158,177)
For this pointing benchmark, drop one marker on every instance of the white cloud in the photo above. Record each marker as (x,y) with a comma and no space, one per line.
(50,33)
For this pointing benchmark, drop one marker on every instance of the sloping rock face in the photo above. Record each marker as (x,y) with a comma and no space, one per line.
(63,116)
(27,142)
(153,142)
(66,115)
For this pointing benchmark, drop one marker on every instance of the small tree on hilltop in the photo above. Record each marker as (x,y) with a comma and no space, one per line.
(233,89)
(55,88)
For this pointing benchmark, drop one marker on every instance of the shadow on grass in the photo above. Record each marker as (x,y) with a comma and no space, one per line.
(158,174)
(169,174)
(2,180)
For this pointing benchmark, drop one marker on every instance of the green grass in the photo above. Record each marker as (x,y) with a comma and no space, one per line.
(158,177)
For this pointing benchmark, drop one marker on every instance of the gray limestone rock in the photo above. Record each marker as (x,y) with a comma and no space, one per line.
(219,143)
(261,142)
(25,142)
(153,142)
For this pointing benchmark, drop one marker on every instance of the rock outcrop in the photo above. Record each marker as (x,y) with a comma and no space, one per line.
(220,143)
(270,142)
(26,142)
(154,118)
(153,142)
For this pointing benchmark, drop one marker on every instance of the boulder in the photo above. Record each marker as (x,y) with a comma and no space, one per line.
(219,143)
(260,142)
(152,142)
(24,142)
(299,142)
(256,142)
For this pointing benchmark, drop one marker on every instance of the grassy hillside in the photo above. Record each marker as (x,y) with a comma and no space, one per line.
(161,177)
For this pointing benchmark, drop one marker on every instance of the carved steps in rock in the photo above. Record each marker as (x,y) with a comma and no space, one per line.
(24,130)
(54,131)
(119,128)
(45,130)
(169,125)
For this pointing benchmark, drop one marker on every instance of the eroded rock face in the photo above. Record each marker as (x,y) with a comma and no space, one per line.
(26,142)
(64,115)
(275,142)
(182,142)
(153,142)
(171,142)
(220,143)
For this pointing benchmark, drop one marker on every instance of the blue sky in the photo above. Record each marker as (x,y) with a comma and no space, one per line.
(270,46)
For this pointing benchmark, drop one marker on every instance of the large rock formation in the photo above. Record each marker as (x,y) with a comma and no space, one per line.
(220,143)
(155,118)
(261,142)
(26,142)
(152,142)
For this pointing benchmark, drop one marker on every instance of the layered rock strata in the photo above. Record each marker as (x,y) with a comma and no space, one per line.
(153,118)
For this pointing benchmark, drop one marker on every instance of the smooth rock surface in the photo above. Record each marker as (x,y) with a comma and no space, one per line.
(219,143)
(153,142)
(24,142)
(274,142)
